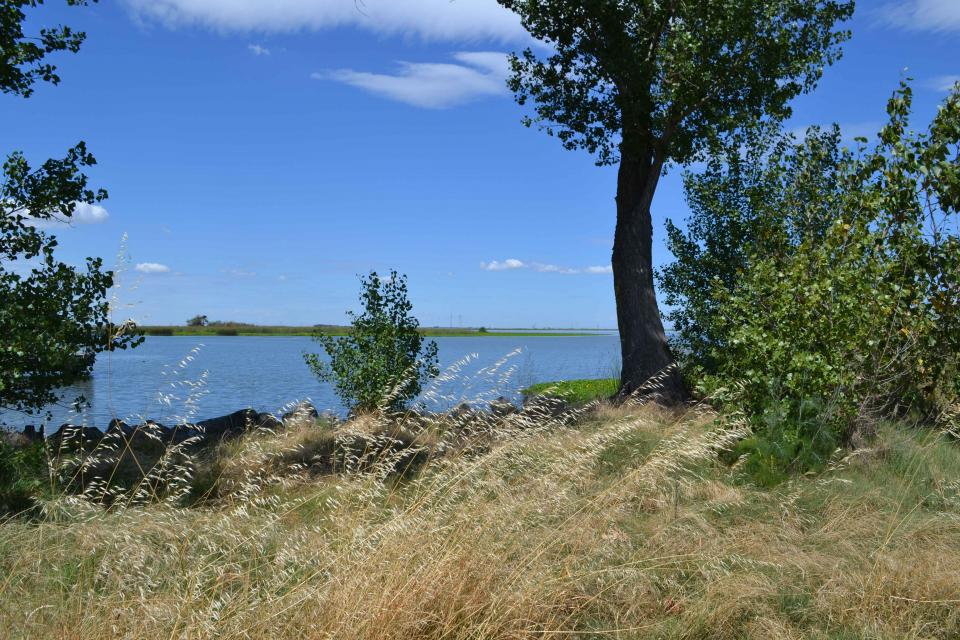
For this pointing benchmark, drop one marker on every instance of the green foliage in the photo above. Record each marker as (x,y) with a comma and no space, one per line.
(22,62)
(825,283)
(197,321)
(53,316)
(661,81)
(23,476)
(383,362)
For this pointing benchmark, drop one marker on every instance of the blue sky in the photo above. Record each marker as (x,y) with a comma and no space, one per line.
(261,155)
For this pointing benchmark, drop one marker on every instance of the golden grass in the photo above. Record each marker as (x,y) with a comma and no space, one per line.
(622,525)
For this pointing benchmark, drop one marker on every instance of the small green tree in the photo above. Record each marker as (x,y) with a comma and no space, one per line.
(52,315)
(197,321)
(383,362)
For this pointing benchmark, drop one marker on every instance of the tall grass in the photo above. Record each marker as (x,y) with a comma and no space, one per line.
(602,523)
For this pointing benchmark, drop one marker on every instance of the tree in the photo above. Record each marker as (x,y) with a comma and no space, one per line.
(818,288)
(197,321)
(383,362)
(765,193)
(53,316)
(647,83)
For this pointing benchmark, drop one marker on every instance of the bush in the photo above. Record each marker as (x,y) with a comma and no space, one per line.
(383,363)
(818,290)
(23,477)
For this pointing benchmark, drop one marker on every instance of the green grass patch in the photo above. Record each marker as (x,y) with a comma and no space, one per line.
(576,391)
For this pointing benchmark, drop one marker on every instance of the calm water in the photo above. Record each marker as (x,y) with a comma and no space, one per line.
(170,379)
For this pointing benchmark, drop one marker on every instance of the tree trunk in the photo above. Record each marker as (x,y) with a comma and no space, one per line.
(648,366)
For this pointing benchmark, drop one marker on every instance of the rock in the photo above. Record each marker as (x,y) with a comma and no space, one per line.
(544,407)
(71,436)
(304,414)
(147,437)
(32,434)
(462,410)
(236,424)
(501,407)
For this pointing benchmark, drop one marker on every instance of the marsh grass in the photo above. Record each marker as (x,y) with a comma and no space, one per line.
(603,522)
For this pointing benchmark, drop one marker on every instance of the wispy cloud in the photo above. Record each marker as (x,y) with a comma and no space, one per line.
(922,15)
(463,20)
(512,263)
(258,50)
(509,263)
(941,83)
(152,267)
(599,269)
(239,273)
(433,85)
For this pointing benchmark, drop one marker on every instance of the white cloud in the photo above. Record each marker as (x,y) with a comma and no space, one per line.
(433,85)
(923,15)
(512,263)
(152,267)
(600,269)
(89,214)
(942,83)
(509,263)
(552,268)
(84,213)
(460,20)
(258,50)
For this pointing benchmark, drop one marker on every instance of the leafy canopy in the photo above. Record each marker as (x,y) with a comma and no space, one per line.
(53,316)
(24,57)
(818,288)
(383,363)
(669,77)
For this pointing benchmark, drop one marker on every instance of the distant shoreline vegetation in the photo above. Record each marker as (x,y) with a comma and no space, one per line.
(243,329)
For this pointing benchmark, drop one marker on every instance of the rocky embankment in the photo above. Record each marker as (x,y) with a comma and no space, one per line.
(150,459)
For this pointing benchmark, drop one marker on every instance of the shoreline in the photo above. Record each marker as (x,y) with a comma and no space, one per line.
(291,331)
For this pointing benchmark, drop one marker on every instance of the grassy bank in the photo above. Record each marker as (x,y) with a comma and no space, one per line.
(334,330)
(622,524)
(576,391)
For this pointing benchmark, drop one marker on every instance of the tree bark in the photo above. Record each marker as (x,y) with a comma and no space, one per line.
(649,368)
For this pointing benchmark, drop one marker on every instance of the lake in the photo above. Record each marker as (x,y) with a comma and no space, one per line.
(171,379)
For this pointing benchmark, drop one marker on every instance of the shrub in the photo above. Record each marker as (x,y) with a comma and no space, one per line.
(23,476)
(818,289)
(383,363)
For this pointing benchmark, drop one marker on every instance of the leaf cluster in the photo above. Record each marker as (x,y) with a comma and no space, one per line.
(668,77)
(23,60)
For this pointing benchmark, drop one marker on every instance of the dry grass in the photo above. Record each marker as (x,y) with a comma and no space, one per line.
(621,525)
